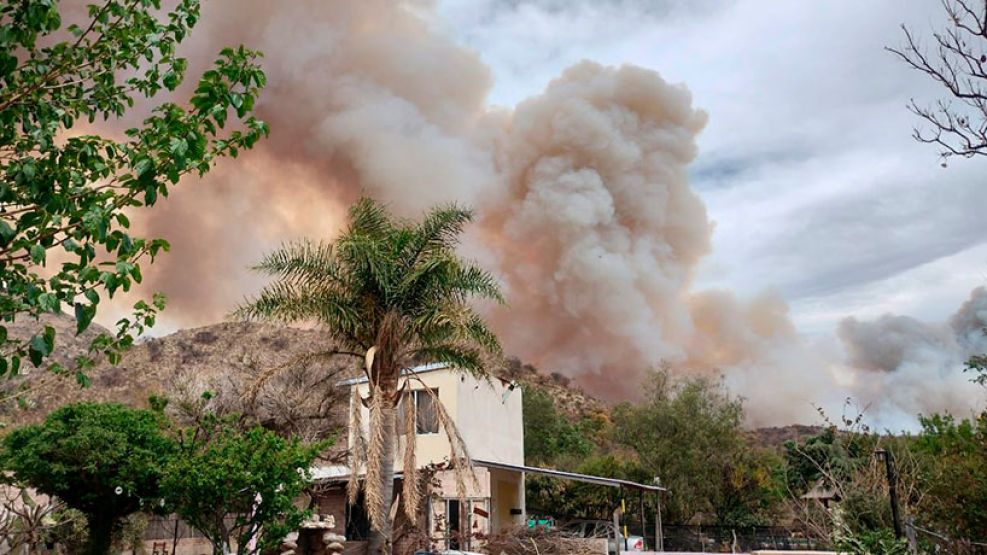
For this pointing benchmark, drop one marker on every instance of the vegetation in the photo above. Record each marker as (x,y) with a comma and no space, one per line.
(391,293)
(687,431)
(64,232)
(955,496)
(253,477)
(102,459)
(107,465)
(549,435)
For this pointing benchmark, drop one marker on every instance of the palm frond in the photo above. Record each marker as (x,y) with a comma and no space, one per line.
(286,302)
(410,489)
(358,451)
(477,331)
(459,456)
(370,266)
(478,283)
(304,262)
(369,218)
(280,301)
(439,230)
(373,487)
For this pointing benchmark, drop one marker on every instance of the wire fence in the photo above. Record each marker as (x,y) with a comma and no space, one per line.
(935,542)
(729,539)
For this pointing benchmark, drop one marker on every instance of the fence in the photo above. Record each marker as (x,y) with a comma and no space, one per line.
(934,542)
(727,539)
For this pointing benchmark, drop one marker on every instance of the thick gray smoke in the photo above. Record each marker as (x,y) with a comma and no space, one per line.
(585,210)
(908,366)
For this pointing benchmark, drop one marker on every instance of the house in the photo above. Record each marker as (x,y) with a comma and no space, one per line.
(488,416)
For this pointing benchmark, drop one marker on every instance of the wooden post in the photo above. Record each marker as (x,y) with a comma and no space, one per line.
(644,531)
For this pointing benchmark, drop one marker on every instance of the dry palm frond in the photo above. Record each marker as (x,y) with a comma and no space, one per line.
(460,462)
(374,486)
(358,451)
(410,490)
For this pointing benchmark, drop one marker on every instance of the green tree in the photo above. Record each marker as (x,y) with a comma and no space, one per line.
(102,459)
(829,458)
(549,435)
(688,432)
(955,500)
(253,476)
(564,498)
(391,293)
(66,195)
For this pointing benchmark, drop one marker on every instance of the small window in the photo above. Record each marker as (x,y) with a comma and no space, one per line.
(426,415)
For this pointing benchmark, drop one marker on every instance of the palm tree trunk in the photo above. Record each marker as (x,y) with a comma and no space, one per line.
(380,539)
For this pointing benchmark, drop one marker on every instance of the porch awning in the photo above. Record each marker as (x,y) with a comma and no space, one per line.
(599,480)
(340,473)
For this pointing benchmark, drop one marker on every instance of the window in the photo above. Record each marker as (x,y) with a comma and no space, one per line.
(426,415)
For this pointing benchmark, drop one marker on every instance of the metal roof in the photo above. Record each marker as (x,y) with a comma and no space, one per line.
(341,473)
(407,371)
(599,480)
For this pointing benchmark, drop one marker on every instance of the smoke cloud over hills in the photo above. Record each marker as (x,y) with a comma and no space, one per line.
(584,211)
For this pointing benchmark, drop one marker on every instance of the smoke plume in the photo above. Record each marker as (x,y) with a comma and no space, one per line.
(584,206)
(907,366)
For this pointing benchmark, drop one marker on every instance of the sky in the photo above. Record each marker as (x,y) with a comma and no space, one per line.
(807,166)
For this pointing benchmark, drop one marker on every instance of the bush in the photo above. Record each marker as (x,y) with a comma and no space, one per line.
(253,476)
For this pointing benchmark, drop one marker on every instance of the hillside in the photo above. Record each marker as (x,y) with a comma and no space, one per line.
(570,399)
(223,359)
(226,358)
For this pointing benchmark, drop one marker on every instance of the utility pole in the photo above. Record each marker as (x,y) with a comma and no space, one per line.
(892,488)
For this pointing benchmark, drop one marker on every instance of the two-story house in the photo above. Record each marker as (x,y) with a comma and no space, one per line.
(488,415)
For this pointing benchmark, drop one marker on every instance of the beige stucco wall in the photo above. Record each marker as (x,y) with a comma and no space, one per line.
(508,493)
(487,414)
(490,420)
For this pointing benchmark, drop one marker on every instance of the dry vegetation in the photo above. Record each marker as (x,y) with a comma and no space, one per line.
(522,541)
(222,359)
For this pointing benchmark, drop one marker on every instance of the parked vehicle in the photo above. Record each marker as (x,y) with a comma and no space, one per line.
(543,522)
(603,529)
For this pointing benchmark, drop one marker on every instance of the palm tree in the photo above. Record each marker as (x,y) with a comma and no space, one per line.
(391,293)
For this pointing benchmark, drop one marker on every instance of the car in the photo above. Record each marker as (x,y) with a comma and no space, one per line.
(603,529)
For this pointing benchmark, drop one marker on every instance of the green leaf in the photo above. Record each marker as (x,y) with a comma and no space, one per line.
(7,232)
(37,253)
(83,317)
(143,166)
(92,295)
(48,302)
(38,350)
